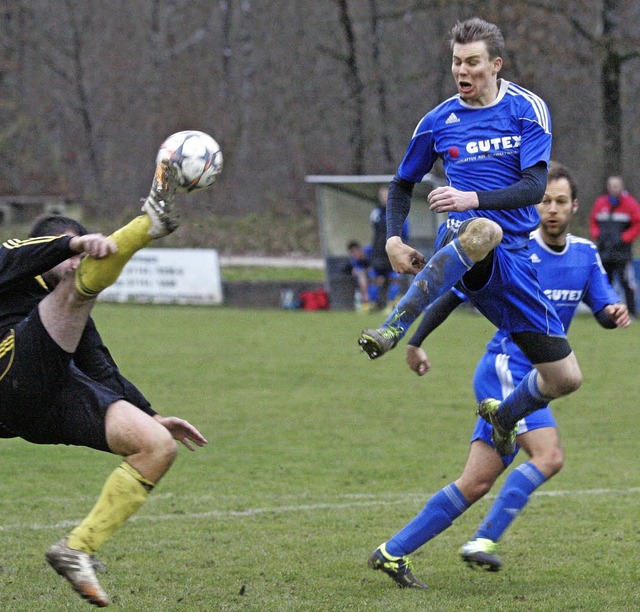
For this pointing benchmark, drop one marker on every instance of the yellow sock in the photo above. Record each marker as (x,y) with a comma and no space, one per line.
(94,275)
(123,494)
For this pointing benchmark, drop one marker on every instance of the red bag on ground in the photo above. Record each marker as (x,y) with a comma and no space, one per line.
(314,300)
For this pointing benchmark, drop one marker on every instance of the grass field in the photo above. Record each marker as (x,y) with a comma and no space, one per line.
(316,456)
(260,273)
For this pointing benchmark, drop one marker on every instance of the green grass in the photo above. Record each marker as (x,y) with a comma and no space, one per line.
(268,273)
(317,455)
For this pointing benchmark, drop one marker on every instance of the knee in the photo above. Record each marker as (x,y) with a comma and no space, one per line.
(551,461)
(145,441)
(556,461)
(475,490)
(156,454)
(480,237)
(574,382)
(569,383)
(167,447)
(561,381)
(160,446)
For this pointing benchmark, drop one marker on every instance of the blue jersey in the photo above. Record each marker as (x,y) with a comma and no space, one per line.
(484,148)
(567,278)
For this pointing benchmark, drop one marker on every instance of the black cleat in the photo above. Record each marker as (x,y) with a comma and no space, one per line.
(377,342)
(397,568)
(503,439)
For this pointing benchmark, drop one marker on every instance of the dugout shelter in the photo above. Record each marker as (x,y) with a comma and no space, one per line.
(344,204)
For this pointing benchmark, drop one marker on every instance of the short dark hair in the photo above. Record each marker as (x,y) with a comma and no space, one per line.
(354,244)
(476,29)
(56,225)
(558,171)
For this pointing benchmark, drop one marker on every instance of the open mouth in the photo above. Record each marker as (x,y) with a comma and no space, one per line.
(464,86)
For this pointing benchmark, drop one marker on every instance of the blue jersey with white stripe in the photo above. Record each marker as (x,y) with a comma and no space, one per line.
(567,278)
(484,148)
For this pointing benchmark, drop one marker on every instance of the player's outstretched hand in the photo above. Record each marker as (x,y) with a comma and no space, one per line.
(449,199)
(417,360)
(183,431)
(95,245)
(404,259)
(619,314)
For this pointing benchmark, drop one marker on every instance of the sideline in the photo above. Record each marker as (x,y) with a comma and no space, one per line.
(333,506)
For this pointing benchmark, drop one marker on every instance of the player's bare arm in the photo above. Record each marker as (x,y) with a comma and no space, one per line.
(404,258)
(450,199)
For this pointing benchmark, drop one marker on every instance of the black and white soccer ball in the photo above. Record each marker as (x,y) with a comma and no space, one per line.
(196,156)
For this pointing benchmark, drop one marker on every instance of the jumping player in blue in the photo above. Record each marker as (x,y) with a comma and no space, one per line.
(494,138)
(570,271)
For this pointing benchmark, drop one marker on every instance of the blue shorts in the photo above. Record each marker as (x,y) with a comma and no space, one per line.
(511,298)
(496,376)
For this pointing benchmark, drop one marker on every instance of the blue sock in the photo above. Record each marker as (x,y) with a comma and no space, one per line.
(523,400)
(513,497)
(438,514)
(442,272)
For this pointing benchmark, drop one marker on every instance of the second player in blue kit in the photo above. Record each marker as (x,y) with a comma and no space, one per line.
(570,272)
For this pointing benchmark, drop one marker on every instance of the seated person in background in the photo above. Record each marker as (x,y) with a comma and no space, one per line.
(358,267)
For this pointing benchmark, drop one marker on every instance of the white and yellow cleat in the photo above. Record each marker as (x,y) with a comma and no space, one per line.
(79,569)
(159,204)
(480,553)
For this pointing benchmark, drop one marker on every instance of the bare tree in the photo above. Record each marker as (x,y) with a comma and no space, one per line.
(12,53)
(354,84)
(612,48)
(288,88)
(62,52)
(78,80)
(378,75)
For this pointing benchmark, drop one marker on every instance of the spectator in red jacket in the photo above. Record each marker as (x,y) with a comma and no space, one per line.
(615,224)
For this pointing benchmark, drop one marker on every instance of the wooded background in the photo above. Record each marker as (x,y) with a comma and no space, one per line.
(89,89)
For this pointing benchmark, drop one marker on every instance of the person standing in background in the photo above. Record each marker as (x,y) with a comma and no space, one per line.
(384,277)
(615,224)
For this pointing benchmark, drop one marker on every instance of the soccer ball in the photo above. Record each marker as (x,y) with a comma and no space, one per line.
(196,156)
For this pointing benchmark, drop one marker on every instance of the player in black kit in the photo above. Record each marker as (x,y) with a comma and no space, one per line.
(58,382)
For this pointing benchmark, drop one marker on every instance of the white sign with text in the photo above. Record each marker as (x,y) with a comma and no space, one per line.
(169,276)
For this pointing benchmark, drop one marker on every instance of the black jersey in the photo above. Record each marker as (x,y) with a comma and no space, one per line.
(22,262)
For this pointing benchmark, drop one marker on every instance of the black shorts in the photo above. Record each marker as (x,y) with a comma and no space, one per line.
(44,397)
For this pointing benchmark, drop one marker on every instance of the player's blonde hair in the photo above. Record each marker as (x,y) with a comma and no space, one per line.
(476,29)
